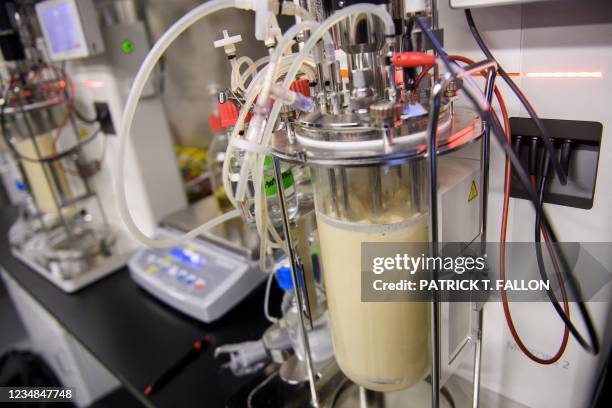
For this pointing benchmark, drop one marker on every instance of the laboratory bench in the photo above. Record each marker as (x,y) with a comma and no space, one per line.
(137,338)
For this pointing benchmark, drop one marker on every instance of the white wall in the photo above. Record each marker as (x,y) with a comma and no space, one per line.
(546,37)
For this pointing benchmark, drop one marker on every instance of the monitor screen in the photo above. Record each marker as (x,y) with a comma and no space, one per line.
(62,28)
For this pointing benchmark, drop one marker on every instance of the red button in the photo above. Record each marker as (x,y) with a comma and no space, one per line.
(199,284)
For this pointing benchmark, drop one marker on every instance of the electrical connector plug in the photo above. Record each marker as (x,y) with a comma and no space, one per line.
(566,150)
(533,156)
(412,59)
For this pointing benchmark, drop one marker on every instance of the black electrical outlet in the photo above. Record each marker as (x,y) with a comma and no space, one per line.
(576,145)
(104,117)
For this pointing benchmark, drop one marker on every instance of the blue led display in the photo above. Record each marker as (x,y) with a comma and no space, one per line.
(188,257)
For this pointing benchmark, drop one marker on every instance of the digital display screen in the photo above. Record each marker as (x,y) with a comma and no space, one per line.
(187,257)
(62,28)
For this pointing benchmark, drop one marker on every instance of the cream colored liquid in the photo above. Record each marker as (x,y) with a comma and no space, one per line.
(382,346)
(41,190)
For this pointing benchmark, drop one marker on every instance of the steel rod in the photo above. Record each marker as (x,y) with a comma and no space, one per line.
(485,155)
(371,399)
(436,101)
(432,148)
(375,191)
(477,362)
(345,192)
(333,192)
(434,26)
(278,174)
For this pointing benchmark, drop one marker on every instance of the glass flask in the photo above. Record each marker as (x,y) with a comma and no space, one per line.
(382,346)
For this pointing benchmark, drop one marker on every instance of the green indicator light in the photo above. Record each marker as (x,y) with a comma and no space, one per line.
(127,46)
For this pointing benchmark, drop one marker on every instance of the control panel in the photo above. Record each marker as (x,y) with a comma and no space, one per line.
(199,278)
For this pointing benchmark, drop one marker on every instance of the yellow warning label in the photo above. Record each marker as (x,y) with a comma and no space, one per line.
(473,191)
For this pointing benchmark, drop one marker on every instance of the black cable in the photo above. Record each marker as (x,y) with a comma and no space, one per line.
(519,94)
(489,117)
(566,150)
(517,144)
(409,74)
(84,118)
(533,156)
(544,173)
(97,119)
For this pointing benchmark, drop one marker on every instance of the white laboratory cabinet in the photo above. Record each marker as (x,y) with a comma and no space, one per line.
(75,367)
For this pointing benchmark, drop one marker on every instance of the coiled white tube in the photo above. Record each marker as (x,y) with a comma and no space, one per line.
(251,71)
(259,120)
(252,93)
(130,108)
(255,167)
(271,73)
(315,36)
(236,78)
(261,217)
(147,67)
(250,96)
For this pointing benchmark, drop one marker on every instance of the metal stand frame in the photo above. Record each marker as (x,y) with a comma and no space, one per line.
(436,103)
(298,282)
(48,166)
(52,175)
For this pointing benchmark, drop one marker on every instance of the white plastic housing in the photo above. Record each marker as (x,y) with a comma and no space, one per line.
(414,6)
(70,28)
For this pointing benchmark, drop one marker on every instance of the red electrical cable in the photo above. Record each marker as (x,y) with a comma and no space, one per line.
(502,263)
(506,306)
(422,74)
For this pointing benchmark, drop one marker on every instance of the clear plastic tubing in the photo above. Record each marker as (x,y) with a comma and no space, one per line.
(250,72)
(259,121)
(250,162)
(251,94)
(256,163)
(143,75)
(320,32)
(236,79)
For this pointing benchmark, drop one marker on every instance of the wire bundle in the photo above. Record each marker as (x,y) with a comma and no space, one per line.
(255,83)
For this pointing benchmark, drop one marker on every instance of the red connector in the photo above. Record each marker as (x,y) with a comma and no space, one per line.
(302,86)
(228,112)
(214,123)
(412,59)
